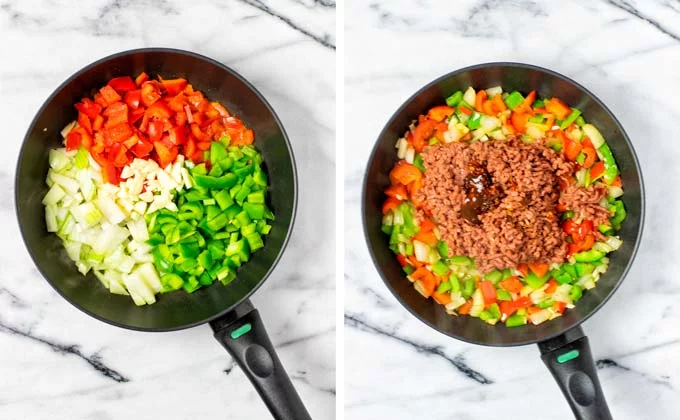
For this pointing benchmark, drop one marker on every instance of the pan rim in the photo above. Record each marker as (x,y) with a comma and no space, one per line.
(161,50)
(444,77)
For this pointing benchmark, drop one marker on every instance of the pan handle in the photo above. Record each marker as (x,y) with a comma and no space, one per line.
(570,361)
(242,333)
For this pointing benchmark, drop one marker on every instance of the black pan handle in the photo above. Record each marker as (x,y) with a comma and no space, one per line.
(242,333)
(570,361)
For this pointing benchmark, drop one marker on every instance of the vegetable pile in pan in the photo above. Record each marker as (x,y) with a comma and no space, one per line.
(157,189)
(514,295)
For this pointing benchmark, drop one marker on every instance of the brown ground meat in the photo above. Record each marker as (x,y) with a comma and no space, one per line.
(522,228)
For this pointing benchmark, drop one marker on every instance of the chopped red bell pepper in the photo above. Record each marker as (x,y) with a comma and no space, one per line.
(174,86)
(142,149)
(155,130)
(133,98)
(166,155)
(84,122)
(141,78)
(109,95)
(73,140)
(115,114)
(159,110)
(89,108)
(117,134)
(122,84)
(402,260)
(149,93)
(177,135)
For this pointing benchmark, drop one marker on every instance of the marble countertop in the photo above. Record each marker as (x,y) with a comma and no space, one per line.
(58,363)
(627,53)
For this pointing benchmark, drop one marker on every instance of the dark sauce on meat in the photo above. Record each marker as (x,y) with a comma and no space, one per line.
(481,194)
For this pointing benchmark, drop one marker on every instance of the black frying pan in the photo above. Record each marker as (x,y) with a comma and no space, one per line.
(577,377)
(226,308)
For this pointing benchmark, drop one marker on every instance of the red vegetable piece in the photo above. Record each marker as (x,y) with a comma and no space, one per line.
(109,95)
(174,86)
(155,130)
(73,140)
(89,108)
(166,155)
(122,84)
(159,110)
(133,98)
(141,78)
(84,122)
(150,93)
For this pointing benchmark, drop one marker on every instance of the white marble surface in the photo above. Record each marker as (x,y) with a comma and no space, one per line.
(627,53)
(53,358)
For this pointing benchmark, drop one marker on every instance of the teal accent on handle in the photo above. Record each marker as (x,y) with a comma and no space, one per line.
(565,357)
(242,330)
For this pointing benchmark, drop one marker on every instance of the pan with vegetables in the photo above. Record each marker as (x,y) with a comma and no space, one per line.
(514,194)
(155,191)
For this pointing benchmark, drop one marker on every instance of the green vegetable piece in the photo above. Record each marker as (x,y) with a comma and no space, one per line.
(191,285)
(461,260)
(418,162)
(189,250)
(570,269)
(254,211)
(205,259)
(495,311)
(206,279)
(260,178)
(485,315)
(605,229)
(610,168)
(439,268)
(409,270)
(254,241)
(514,100)
(619,214)
(468,288)
(494,276)
(569,214)
(209,202)
(539,103)
(475,121)
(225,181)
(502,294)
(454,99)
(171,282)
(534,281)
(537,119)
(580,121)
(563,278)
(216,170)
(589,256)
(544,304)
(584,268)
(225,140)
(432,141)
(455,283)
(443,249)
(217,152)
(515,320)
(199,169)
(256,197)
(195,195)
(190,210)
(82,159)
(444,287)
(575,293)
(571,118)
(218,222)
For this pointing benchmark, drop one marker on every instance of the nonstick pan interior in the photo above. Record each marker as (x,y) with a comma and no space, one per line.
(523,78)
(178,309)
